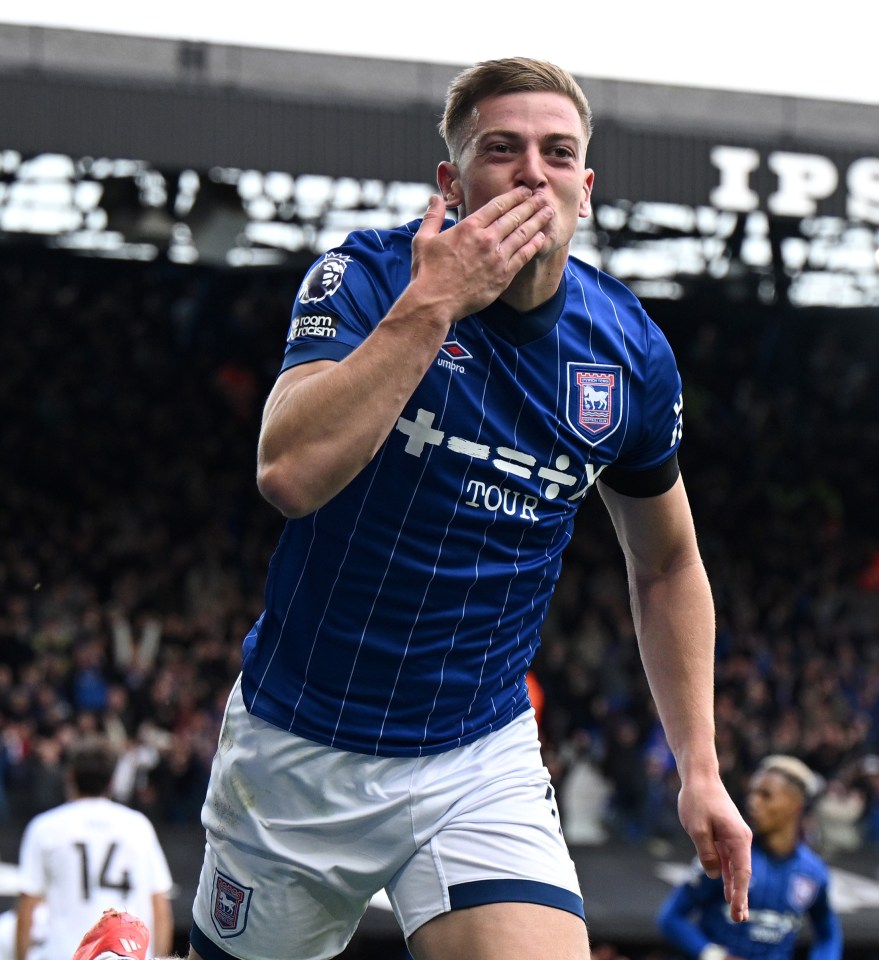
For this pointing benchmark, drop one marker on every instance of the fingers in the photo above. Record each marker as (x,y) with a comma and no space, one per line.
(505,204)
(722,840)
(709,856)
(511,224)
(736,869)
(469,264)
(730,860)
(724,851)
(508,230)
(514,218)
(434,216)
(521,239)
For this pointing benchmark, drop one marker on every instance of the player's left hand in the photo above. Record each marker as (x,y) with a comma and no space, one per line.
(721,837)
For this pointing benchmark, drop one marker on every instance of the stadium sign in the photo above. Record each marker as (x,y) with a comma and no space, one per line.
(803,181)
(763,230)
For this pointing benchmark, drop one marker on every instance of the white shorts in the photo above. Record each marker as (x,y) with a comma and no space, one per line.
(300,836)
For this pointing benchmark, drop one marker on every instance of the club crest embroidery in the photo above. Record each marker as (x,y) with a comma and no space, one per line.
(802,891)
(595,400)
(324,278)
(230,902)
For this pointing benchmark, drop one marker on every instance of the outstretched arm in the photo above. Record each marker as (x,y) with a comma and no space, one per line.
(827,938)
(673,612)
(27,904)
(163,925)
(677,923)
(314,439)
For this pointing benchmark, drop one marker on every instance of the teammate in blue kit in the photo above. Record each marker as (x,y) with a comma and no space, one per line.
(789,883)
(449,394)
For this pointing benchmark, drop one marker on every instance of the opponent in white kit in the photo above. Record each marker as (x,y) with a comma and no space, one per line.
(87,855)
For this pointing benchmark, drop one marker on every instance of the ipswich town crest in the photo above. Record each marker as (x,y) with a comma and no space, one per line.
(230,902)
(802,891)
(595,400)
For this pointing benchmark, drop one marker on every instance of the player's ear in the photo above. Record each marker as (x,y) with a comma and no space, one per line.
(586,200)
(449,183)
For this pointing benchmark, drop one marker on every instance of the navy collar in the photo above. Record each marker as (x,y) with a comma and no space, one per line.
(521,328)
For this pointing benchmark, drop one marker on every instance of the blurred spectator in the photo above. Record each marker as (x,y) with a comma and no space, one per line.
(866,778)
(838,813)
(625,766)
(585,792)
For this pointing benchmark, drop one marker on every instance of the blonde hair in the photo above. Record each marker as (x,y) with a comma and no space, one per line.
(795,771)
(495,77)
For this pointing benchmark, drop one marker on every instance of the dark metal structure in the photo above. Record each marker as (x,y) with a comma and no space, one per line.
(692,185)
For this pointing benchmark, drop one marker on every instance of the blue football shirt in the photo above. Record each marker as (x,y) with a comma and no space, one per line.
(784,892)
(401,617)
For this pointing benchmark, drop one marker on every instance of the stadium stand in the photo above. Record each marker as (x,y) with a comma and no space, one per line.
(133,542)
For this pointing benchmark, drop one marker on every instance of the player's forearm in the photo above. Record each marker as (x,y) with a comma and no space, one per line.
(674,615)
(163,926)
(22,941)
(827,938)
(317,436)
(675,925)
(24,925)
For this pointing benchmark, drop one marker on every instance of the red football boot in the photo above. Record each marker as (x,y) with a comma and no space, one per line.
(114,935)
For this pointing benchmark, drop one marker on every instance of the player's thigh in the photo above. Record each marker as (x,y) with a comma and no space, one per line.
(499,931)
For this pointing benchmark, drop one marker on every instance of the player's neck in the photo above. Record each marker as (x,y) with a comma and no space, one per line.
(781,843)
(535,283)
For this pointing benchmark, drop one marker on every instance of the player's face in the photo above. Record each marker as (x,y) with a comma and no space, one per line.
(772,803)
(535,139)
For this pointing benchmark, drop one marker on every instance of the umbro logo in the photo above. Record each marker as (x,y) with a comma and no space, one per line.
(454,351)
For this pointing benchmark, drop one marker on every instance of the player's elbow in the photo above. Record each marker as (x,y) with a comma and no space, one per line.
(284,490)
(301,479)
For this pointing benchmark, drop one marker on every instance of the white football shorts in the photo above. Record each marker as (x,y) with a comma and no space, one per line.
(300,836)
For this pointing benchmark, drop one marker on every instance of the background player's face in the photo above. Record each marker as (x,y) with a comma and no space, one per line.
(534,139)
(772,803)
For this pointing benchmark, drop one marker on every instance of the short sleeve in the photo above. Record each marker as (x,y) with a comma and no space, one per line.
(647,464)
(343,297)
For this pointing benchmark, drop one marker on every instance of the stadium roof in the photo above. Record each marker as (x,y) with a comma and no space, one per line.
(248,156)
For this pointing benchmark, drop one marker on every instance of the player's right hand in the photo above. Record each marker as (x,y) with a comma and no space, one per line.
(721,837)
(469,265)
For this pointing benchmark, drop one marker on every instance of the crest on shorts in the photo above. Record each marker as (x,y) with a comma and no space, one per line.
(595,399)
(230,902)
(324,278)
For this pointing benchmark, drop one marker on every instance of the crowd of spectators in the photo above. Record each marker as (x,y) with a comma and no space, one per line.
(133,546)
